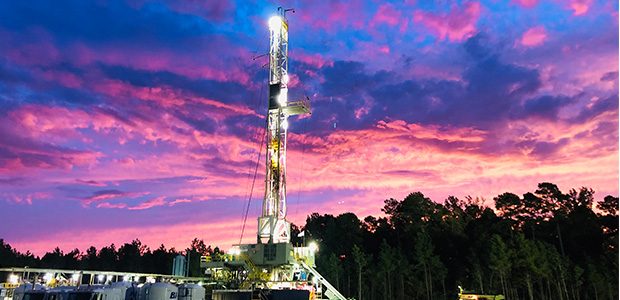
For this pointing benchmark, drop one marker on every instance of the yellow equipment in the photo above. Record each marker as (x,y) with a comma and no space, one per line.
(468,295)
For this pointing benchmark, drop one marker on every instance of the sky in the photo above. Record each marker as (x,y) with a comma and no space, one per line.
(124,119)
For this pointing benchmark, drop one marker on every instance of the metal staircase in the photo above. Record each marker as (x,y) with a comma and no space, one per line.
(254,274)
(330,291)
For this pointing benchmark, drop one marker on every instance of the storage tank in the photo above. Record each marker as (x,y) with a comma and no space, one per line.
(179,266)
(84,293)
(159,291)
(191,291)
(112,293)
(128,290)
(59,293)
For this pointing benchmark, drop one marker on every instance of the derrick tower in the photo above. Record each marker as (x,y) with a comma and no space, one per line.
(272,225)
(273,262)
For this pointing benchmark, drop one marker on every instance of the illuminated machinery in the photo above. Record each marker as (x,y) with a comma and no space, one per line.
(470,295)
(273,263)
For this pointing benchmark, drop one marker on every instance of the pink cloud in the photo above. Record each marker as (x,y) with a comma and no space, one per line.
(167,97)
(408,157)
(49,123)
(405,157)
(534,36)
(371,50)
(58,125)
(64,78)
(525,3)
(110,205)
(177,201)
(21,139)
(389,15)
(336,15)
(40,49)
(149,203)
(127,161)
(559,78)
(293,80)
(27,198)
(316,60)
(456,25)
(111,194)
(580,6)
(214,64)
(12,197)
(42,195)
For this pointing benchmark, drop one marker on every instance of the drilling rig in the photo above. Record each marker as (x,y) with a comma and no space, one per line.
(273,263)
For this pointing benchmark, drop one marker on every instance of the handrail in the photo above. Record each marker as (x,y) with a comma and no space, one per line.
(304,101)
(254,272)
(330,288)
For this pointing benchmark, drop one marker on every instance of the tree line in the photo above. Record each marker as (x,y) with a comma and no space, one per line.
(545,244)
(129,257)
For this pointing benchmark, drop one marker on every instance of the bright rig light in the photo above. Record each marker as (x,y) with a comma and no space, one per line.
(275,23)
(313,247)
(234,251)
(283,97)
(13,278)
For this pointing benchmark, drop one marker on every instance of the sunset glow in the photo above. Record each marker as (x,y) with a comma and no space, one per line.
(127,119)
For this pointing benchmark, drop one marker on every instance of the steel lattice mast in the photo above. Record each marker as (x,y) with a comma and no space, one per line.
(272,225)
(273,262)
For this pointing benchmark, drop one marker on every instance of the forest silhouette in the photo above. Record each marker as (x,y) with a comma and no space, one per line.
(545,244)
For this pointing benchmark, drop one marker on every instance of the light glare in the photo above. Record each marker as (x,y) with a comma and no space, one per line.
(313,247)
(283,97)
(275,23)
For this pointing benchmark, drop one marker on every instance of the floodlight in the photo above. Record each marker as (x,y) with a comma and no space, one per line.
(283,97)
(313,247)
(275,23)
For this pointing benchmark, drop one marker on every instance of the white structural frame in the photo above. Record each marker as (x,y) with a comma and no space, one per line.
(272,225)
